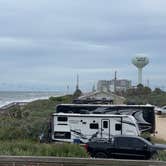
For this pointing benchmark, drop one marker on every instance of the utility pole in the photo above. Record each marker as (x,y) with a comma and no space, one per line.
(115,78)
(148,84)
(67,89)
(77,85)
(93,88)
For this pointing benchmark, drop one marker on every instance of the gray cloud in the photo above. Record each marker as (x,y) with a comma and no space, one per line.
(52,41)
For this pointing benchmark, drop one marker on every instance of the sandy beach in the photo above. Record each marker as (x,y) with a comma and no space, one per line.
(161,127)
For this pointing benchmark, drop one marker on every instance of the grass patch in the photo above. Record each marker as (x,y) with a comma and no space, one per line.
(20,129)
(30,148)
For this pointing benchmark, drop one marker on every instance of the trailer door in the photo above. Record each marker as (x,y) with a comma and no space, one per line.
(105,128)
(115,126)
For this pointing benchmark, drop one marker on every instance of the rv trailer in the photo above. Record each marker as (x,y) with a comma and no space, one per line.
(144,114)
(83,127)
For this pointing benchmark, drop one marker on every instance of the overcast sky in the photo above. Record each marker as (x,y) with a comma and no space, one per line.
(44,44)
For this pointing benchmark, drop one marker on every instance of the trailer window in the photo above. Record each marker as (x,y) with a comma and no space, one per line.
(94,125)
(62,118)
(118,127)
(105,124)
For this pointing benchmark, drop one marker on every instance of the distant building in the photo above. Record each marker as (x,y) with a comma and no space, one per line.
(121,85)
(109,85)
(103,85)
(106,97)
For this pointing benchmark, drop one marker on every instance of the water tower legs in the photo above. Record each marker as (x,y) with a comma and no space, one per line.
(139,75)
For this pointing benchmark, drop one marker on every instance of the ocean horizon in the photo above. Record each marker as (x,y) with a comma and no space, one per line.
(7,97)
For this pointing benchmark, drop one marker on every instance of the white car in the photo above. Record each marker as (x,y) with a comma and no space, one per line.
(160,110)
(164,109)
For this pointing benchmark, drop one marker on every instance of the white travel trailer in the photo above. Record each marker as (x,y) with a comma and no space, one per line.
(144,114)
(80,128)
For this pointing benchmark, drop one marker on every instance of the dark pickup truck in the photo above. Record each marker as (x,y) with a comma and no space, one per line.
(131,147)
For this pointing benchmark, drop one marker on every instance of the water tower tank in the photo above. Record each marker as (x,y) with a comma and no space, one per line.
(140,62)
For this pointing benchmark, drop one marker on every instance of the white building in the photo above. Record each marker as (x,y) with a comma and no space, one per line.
(103,85)
(121,85)
(103,95)
(111,85)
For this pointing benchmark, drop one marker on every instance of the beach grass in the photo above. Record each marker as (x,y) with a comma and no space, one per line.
(20,129)
(31,148)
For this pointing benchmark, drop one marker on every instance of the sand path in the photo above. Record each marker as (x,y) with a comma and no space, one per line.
(161,127)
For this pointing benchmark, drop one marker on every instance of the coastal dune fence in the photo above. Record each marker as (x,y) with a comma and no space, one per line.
(58,161)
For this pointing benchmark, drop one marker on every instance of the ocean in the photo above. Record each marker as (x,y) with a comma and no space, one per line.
(7,97)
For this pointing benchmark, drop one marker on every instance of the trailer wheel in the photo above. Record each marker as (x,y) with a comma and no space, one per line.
(100,155)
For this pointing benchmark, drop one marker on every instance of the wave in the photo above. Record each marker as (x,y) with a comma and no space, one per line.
(25,98)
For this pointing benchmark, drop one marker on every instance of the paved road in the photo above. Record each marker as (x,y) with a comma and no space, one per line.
(58,161)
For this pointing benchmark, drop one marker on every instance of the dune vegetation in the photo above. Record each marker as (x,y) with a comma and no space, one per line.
(20,128)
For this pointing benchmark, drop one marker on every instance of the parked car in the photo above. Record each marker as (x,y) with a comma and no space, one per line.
(164,109)
(131,147)
(160,110)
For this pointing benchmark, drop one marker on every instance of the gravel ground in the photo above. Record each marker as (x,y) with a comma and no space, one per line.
(161,127)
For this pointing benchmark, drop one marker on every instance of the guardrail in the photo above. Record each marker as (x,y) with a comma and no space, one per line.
(61,161)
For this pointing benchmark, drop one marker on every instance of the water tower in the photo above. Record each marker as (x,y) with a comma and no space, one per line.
(140,62)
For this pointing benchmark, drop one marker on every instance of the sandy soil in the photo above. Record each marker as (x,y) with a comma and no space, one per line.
(161,127)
